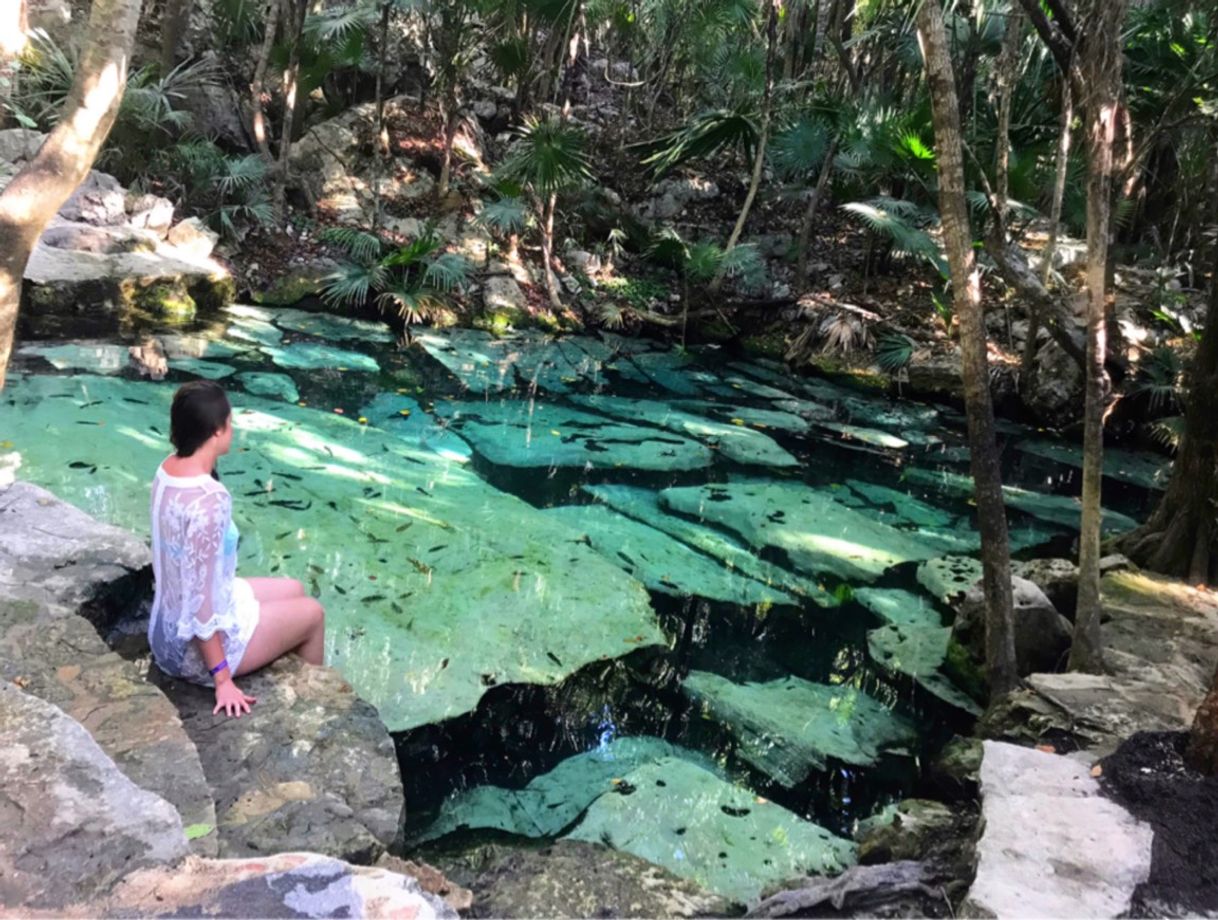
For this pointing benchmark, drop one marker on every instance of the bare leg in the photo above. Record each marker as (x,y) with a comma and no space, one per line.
(276,589)
(295,624)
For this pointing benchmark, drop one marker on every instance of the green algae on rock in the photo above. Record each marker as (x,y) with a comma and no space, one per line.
(899,608)
(920,652)
(552,802)
(661,562)
(817,533)
(312,355)
(644,505)
(538,434)
(736,442)
(791,727)
(682,816)
(276,386)
(331,327)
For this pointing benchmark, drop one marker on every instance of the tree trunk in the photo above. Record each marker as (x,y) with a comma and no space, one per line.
(174,22)
(1102,59)
(37,193)
(759,160)
(13,38)
(296,10)
(966,287)
(547,252)
(270,26)
(1006,76)
(452,121)
(1179,538)
(818,193)
(1202,753)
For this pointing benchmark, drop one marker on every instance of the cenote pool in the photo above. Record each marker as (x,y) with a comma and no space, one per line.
(676,604)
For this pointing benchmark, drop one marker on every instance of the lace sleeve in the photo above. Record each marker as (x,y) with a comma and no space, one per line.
(207,593)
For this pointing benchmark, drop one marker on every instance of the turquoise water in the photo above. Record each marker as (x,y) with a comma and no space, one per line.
(669,602)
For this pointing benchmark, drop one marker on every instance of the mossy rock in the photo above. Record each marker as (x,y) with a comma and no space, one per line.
(290,289)
(955,773)
(165,299)
(214,292)
(766,345)
(965,671)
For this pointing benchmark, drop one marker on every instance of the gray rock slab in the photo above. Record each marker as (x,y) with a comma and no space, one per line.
(71,824)
(287,885)
(62,660)
(311,767)
(1053,846)
(110,567)
(571,878)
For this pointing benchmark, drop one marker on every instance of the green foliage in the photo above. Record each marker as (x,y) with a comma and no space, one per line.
(701,262)
(1160,380)
(416,280)
(548,157)
(230,192)
(903,224)
(893,351)
(504,216)
(640,293)
(798,151)
(706,135)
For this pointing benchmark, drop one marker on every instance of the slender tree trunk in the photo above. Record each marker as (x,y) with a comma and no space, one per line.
(257,87)
(818,193)
(380,146)
(296,10)
(34,196)
(547,252)
(452,121)
(1059,181)
(1180,537)
(767,103)
(1006,76)
(1102,60)
(966,286)
(13,37)
(174,23)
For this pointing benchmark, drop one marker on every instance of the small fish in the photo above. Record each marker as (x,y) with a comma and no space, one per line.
(375,539)
(83,422)
(314,567)
(296,504)
(89,405)
(554,658)
(443,664)
(421,567)
(403,527)
(280,536)
(138,402)
(286,475)
(422,490)
(397,608)
(154,428)
(438,547)
(81,465)
(371,598)
(340,589)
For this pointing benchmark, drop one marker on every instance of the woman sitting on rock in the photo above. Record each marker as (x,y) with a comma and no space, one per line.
(208,625)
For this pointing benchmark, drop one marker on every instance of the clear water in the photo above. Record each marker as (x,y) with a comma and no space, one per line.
(480,518)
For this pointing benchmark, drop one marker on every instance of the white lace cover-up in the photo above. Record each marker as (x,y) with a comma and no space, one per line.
(194,561)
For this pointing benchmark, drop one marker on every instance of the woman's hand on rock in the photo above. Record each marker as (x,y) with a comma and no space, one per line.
(230,699)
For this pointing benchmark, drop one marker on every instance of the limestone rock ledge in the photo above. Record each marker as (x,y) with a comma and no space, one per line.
(310,766)
(80,839)
(73,824)
(58,556)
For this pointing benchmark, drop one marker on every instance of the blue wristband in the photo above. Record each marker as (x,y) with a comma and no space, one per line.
(218,668)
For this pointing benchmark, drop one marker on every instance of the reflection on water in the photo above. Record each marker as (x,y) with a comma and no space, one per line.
(666,602)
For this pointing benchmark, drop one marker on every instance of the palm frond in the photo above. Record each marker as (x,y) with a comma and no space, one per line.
(706,134)
(893,351)
(447,272)
(352,284)
(884,220)
(1160,378)
(359,244)
(547,156)
(799,150)
(506,215)
(336,24)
